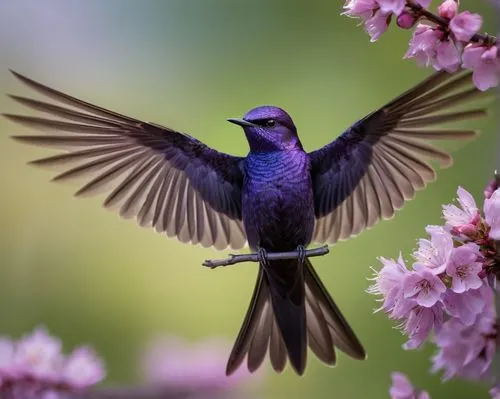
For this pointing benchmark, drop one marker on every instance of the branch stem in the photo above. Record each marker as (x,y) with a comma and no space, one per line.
(255,257)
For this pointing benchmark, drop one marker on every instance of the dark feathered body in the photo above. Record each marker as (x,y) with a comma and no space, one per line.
(277,200)
(278,215)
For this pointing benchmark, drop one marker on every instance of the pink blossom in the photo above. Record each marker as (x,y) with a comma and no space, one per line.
(466,351)
(485,62)
(424,287)
(464,269)
(35,367)
(38,355)
(83,368)
(420,322)
(391,6)
(467,305)
(377,25)
(492,214)
(448,9)
(402,388)
(465,25)
(363,9)
(448,56)
(434,253)
(464,218)
(389,282)
(423,44)
(174,362)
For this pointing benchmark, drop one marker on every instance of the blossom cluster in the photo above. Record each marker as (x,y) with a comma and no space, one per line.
(447,41)
(446,291)
(35,367)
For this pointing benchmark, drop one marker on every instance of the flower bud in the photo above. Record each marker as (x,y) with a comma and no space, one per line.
(406,20)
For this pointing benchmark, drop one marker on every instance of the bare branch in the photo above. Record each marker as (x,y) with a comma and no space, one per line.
(255,257)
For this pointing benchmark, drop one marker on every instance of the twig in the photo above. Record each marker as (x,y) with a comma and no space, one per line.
(255,257)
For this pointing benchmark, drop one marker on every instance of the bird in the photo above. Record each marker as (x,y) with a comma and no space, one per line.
(279,197)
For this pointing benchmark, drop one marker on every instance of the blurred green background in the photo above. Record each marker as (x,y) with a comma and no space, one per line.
(190,64)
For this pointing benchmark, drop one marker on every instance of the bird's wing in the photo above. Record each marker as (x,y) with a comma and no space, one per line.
(368,172)
(165,179)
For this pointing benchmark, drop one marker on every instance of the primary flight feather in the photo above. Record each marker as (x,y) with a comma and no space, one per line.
(277,198)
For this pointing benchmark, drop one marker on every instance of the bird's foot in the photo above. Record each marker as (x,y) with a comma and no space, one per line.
(302,254)
(263,257)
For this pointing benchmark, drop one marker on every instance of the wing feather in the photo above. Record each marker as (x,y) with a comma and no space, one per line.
(165,179)
(368,172)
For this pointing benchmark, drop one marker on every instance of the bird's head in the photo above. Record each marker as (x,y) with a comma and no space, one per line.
(268,129)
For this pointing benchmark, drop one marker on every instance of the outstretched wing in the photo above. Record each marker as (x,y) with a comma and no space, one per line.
(165,179)
(368,172)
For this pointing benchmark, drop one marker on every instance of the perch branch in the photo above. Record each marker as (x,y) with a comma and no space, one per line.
(255,257)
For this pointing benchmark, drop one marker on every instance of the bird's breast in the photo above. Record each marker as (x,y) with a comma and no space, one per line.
(277,200)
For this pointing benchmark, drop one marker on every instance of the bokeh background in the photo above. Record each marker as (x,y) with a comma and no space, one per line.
(189,64)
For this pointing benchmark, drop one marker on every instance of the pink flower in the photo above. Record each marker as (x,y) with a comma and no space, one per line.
(434,254)
(423,44)
(466,351)
(485,61)
(82,369)
(377,25)
(392,6)
(38,355)
(35,367)
(467,305)
(424,287)
(389,282)
(448,9)
(465,218)
(420,322)
(464,269)
(402,388)
(465,25)
(174,362)
(363,9)
(492,214)
(448,56)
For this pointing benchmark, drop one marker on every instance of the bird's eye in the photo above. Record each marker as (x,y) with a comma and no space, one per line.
(270,123)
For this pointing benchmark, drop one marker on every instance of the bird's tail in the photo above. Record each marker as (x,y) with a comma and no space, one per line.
(291,308)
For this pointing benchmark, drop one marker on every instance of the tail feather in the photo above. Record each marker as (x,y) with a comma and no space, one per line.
(286,314)
(277,349)
(341,333)
(260,341)
(287,297)
(258,303)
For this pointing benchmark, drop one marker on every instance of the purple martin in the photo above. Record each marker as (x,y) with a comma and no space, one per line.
(277,198)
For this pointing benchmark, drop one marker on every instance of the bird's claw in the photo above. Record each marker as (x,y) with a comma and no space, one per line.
(263,258)
(302,254)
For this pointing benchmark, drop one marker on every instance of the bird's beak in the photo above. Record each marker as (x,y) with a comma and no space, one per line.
(240,122)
